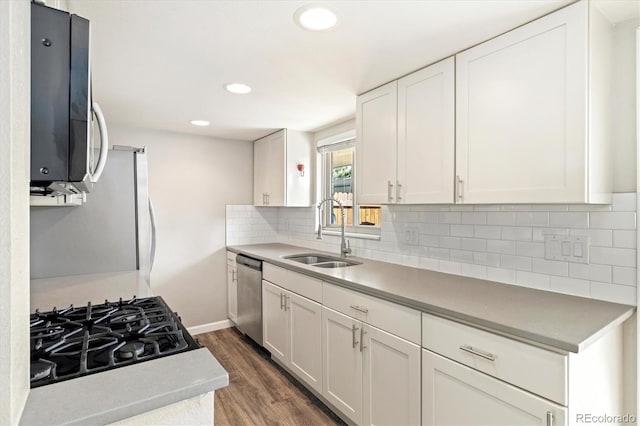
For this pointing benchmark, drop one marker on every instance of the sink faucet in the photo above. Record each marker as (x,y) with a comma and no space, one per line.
(344,246)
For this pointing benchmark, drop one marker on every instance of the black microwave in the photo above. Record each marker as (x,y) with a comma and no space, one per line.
(66,158)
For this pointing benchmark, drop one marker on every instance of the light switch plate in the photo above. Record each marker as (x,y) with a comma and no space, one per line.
(411,235)
(567,248)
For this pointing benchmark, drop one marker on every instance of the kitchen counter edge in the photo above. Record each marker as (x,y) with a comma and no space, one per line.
(139,388)
(617,313)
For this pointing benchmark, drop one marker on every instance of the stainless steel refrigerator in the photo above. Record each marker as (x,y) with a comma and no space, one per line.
(113,231)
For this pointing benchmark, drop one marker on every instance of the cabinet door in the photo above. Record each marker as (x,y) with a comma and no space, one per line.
(391,386)
(277,171)
(521,103)
(426,135)
(274,320)
(232,291)
(453,394)
(305,339)
(342,381)
(260,172)
(376,126)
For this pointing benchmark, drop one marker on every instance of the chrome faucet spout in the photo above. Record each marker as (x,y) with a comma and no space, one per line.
(344,246)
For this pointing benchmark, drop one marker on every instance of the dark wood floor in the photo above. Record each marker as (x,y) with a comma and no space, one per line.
(259,391)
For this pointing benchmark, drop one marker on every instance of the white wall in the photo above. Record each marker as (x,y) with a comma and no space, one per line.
(191,179)
(624,107)
(14,207)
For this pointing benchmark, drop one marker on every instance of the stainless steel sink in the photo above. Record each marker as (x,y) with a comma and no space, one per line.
(322,260)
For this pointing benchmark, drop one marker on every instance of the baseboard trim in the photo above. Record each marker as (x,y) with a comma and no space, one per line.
(212,326)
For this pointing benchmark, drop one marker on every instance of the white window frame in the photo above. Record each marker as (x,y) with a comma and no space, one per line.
(325,147)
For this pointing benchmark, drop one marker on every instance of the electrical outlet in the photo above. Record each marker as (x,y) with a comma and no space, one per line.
(411,235)
(567,248)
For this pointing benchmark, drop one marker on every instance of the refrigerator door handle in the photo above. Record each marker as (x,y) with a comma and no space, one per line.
(104,142)
(152,216)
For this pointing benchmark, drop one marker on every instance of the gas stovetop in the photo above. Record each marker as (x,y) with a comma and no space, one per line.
(74,342)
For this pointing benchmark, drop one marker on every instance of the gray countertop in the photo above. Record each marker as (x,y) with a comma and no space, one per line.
(552,320)
(123,392)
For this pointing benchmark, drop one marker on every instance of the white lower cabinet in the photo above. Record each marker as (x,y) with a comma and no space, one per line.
(292,332)
(371,376)
(232,287)
(454,394)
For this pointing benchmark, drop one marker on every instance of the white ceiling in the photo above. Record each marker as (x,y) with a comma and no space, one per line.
(158,64)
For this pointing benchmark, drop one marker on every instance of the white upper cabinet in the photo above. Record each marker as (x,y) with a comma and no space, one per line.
(376,138)
(426,135)
(276,179)
(405,139)
(531,111)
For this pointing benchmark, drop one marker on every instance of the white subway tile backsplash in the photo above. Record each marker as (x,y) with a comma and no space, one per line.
(501,246)
(501,275)
(530,249)
(519,233)
(624,276)
(532,219)
(613,256)
(533,280)
(624,202)
(474,244)
(590,272)
(549,267)
(486,232)
(612,220)
(462,256)
(597,237)
(449,217)
(569,286)
(625,239)
(461,230)
(489,259)
(449,242)
(613,293)
(473,218)
(501,218)
(519,263)
(569,220)
(503,243)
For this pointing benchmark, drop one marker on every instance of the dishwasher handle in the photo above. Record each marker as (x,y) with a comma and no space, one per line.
(249,262)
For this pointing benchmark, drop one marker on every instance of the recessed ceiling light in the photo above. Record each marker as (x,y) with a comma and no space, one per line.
(237,88)
(199,122)
(315,18)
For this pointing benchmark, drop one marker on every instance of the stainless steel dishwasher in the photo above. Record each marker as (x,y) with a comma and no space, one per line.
(249,318)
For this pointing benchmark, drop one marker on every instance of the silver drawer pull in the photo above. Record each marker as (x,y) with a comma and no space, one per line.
(471,350)
(353,335)
(359,309)
(549,418)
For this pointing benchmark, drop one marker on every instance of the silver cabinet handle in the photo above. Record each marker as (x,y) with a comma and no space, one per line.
(549,418)
(398,191)
(354,342)
(473,351)
(287,299)
(362,333)
(389,191)
(264,198)
(359,309)
(459,188)
(267,199)
(281,300)
(234,275)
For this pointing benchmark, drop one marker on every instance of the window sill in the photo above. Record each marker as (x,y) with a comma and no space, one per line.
(326,231)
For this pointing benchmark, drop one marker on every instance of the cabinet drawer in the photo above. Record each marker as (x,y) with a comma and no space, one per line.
(391,317)
(303,285)
(534,369)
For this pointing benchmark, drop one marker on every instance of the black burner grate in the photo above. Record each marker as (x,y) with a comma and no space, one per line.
(74,342)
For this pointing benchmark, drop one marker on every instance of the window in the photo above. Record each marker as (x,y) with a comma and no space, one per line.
(338,183)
